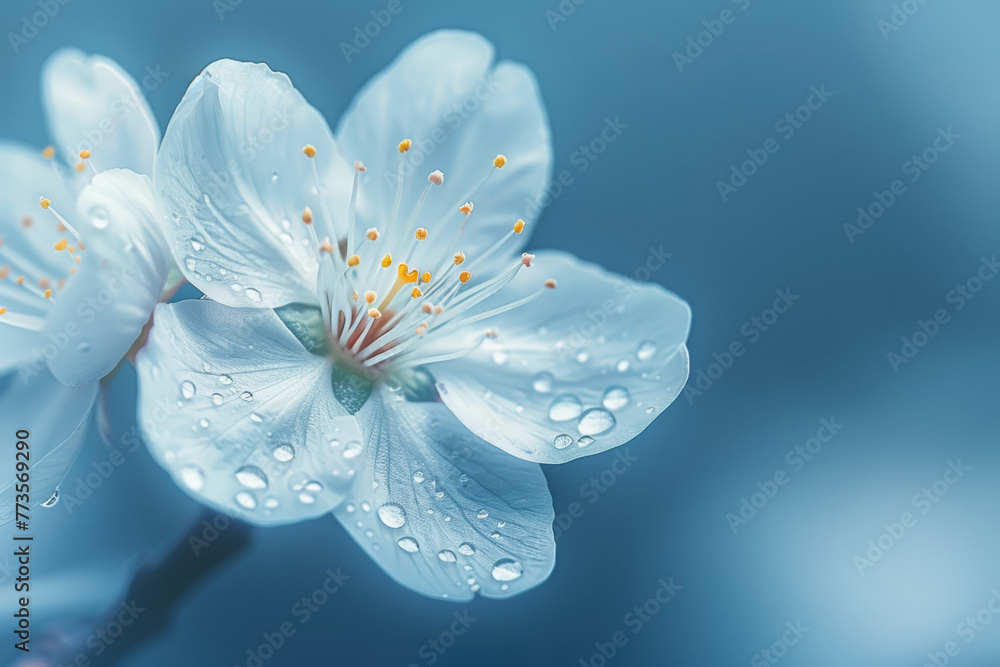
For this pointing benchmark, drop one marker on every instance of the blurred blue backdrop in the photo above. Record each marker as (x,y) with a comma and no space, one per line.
(785,576)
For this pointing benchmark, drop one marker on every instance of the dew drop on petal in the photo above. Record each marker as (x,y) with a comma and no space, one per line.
(447,556)
(53,499)
(255,417)
(252,477)
(307,498)
(499,357)
(583,356)
(646,350)
(408,544)
(217,399)
(187,389)
(252,294)
(246,500)
(542,382)
(283,453)
(616,398)
(565,407)
(225,379)
(595,421)
(506,569)
(246,396)
(483,514)
(466,549)
(650,410)
(99,216)
(392,515)
(193,477)
(622,365)
(563,441)
(270,502)
(418,476)
(584,441)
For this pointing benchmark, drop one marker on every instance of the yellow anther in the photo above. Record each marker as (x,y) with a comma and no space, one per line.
(550,283)
(355,295)
(372,234)
(420,330)
(82,247)
(77,258)
(45,204)
(404,145)
(360,166)
(370,296)
(309,150)
(425,276)
(20,280)
(80,166)
(464,276)
(71,249)
(4,272)
(387,261)
(427,308)
(499,161)
(307,216)
(436,177)
(519,226)
(527,258)
(49,152)
(374,313)
(43,283)
(26,221)
(3,311)
(85,155)
(416,292)
(459,258)
(438,310)
(61,245)
(467,207)
(48,294)
(326,246)
(491,333)
(353,260)
(406,275)
(420,234)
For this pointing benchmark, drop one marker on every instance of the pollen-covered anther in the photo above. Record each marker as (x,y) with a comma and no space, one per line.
(427,308)
(43,283)
(26,222)
(326,246)
(372,234)
(307,216)
(467,207)
(551,283)
(61,245)
(3,311)
(425,277)
(4,272)
(45,203)
(20,280)
(355,295)
(519,226)
(80,166)
(404,145)
(309,150)
(85,155)
(49,152)
(436,177)
(420,234)
(370,296)
(438,310)
(464,276)
(48,294)
(491,333)
(374,313)
(360,166)
(387,261)
(353,260)
(499,161)
(416,292)
(71,249)
(527,258)
(420,331)
(459,258)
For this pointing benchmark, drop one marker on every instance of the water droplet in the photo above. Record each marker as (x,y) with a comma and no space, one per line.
(217,399)
(483,514)
(53,499)
(99,216)
(495,536)
(252,294)
(203,423)
(369,533)
(466,549)
(408,544)
(565,407)
(501,524)
(392,515)
(463,478)
(506,569)
(542,382)
(246,396)
(314,487)
(286,238)
(350,508)
(193,477)
(584,441)
(334,443)
(447,556)
(418,476)
(197,245)
(646,350)
(616,398)
(283,453)
(270,502)
(187,389)
(274,177)
(83,347)
(252,477)
(563,441)
(307,498)
(352,450)
(499,357)
(583,356)
(225,379)
(650,410)
(255,417)
(594,421)
(246,499)
(622,365)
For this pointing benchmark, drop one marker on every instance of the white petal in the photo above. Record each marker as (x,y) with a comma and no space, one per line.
(241,415)
(580,370)
(55,417)
(232,183)
(460,112)
(441,511)
(106,303)
(92,104)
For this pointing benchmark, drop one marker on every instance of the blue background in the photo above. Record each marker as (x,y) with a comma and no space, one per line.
(656,185)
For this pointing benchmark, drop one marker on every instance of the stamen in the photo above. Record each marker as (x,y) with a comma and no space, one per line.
(48,294)
(499,161)
(49,152)
(404,145)
(527,258)
(467,207)
(459,258)
(436,177)
(353,260)
(550,283)
(416,293)
(309,150)
(420,234)
(370,296)
(61,245)
(464,276)
(307,216)
(374,313)
(519,226)
(425,277)
(387,261)
(372,234)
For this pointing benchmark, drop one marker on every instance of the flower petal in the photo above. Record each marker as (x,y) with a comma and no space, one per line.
(232,183)
(106,303)
(93,105)
(242,416)
(441,511)
(55,417)
(580,370)
(443,94)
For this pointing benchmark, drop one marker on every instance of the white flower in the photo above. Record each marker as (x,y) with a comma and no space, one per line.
(370,327)
(80,274)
